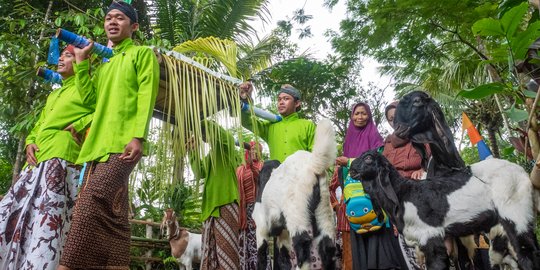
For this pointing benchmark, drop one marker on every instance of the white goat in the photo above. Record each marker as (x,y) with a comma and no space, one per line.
(186,247)
(295,200)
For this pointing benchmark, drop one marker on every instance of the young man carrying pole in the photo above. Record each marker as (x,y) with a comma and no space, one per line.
(124,92)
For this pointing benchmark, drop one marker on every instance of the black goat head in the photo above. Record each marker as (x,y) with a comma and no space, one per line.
(420,118)
(375,172)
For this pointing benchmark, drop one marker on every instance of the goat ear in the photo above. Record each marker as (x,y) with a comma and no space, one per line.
(386,185)
(441,127)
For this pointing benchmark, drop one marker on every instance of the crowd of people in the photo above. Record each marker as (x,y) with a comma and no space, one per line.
(45,223)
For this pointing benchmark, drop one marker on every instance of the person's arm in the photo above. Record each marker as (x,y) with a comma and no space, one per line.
(255,125)
(198,166)
(334,184)
(31,147)
(31,138)
(84,83)
(148,80)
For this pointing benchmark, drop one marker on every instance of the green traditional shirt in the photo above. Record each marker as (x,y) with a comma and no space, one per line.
(285,137)
(220,186)
(124,91)
(63,108)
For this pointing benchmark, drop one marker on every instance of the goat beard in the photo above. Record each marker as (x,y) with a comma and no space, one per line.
(391,196)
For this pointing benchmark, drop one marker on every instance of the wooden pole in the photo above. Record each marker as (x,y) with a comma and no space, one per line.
(149,251)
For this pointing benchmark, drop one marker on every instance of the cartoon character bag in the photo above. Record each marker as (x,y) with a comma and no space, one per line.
(359,209)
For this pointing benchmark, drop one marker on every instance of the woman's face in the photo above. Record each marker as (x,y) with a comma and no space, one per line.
(390,116)
(360,116)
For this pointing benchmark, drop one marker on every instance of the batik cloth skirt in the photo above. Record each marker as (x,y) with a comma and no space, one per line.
(248,243)
(220,240)
(100,233)
(36,214)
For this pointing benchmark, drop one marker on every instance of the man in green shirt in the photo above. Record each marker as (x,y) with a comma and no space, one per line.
(124,90)
(286,136)
(220,198)
(47,186)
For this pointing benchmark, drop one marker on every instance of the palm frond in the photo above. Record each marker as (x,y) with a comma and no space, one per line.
(223,50)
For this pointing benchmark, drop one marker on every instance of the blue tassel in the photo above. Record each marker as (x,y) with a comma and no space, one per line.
(81,176)
(54,52)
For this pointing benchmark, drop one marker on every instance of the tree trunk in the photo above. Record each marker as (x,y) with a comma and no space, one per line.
(492,136)
(19,159)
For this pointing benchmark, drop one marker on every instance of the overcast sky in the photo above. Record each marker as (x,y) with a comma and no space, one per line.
(323,19)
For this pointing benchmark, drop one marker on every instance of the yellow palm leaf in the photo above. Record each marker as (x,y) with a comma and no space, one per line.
(224,51)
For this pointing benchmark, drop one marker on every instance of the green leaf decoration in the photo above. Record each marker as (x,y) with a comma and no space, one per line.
(488,27)
(482,91)
(517,115)
(522,41)
(512,19)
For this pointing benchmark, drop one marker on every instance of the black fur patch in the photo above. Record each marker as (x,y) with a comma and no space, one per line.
(283,261)
(278,226)
(327,251)
(436,254)
(302,244)
(483,222)
(313,203)
(262,256)
(264,176)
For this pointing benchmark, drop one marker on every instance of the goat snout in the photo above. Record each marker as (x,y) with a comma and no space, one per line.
(368,160)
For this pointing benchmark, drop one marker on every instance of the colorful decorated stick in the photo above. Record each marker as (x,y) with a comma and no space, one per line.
(81,42)
(262,113)
(49,75)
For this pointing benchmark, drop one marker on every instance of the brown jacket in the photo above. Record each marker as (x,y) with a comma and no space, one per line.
(403,155)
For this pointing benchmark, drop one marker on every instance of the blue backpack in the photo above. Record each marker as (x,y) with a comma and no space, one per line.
(359,209)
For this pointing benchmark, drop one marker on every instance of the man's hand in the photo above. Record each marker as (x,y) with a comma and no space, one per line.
(342,161)
(246,88)
(74,134)
(133,151)
(30,154)
(84,53)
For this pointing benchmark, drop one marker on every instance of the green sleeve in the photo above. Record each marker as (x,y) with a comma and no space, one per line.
(148,79)
(31,138)
(83,82)
(260,128)
(198,166)
(83,123)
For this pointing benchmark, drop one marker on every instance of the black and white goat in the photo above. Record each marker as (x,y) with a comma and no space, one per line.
(419,118)
(454,205)
(293,199)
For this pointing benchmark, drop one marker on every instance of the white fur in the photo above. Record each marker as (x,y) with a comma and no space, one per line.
(193,252)
(290,188)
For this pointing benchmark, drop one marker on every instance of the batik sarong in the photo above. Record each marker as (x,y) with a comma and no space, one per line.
(36,214)
(100,233)
(220,240)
